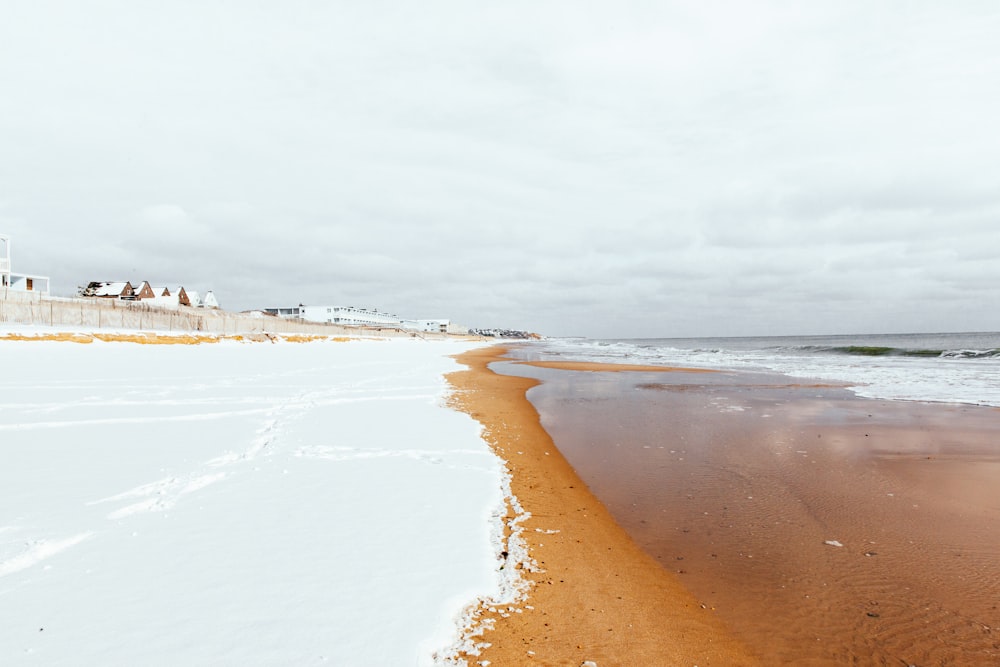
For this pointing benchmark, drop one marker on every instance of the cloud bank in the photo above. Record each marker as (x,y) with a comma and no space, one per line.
(611,169)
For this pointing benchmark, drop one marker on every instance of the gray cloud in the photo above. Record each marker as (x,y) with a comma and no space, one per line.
(616,169)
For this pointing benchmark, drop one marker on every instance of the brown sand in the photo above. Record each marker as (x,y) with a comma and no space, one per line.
(737,483)
(597,596)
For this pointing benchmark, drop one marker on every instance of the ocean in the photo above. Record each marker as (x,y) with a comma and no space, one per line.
(941,367)
(821,529)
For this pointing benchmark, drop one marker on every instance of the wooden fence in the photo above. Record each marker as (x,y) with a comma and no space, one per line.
(33,308)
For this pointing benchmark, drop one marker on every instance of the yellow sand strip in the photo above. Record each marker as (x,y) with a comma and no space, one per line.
(594,594)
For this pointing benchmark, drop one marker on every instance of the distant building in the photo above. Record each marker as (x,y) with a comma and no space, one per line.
(155,296)
(182,297)
(505,333)
(345,315)
(363,317)
(435,326)
(144,291)
(293,313)
(110,290)
(163,297)
(18,281)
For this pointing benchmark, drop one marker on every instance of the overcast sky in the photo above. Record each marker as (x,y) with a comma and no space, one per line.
(608,169)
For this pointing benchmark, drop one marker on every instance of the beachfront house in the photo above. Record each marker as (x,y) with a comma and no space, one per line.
(290,313)
(109,290)
(363,317)
(160,296)
(344,315)
(163,296)
(434,326)
(154,296)
(144,291)
(182,297)
(21,282)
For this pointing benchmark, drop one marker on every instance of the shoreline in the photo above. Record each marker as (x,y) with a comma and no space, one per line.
(823,528)
(594,593)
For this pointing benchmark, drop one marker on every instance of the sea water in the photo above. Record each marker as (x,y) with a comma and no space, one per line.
(944,367)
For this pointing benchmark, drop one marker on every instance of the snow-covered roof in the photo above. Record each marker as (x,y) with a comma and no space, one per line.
(108,289)
(210,301)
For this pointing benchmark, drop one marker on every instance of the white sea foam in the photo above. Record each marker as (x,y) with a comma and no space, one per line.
(939,368)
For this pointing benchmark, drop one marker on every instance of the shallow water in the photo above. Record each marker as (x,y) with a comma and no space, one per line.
(744,484)
(947,368)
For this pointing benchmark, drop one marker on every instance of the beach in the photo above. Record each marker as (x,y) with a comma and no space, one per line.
(595,594)
(791,521)
(216,501)
(311,500)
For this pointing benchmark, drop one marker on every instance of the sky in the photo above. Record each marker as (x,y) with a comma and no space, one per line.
(602,169)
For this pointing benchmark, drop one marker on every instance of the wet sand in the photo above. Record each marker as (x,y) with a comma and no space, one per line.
(819,528)
(595,595)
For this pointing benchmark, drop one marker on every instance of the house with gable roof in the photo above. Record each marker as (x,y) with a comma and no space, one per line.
(163,296)
(110,290)
(144,291)
(194,299)
(147,293)
(182,297)
(160,296)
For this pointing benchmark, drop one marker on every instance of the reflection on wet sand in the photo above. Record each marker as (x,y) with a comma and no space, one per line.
(822,528)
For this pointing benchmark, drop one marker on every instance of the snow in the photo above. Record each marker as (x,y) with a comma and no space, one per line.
(240,504)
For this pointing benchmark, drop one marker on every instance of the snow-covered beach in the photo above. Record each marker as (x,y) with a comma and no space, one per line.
(240,503)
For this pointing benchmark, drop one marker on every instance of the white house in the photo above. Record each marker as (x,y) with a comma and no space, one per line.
(143,291)
(292,313)
(345,315)
(350,315)
(437,326)
(18,281)
(164,298)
